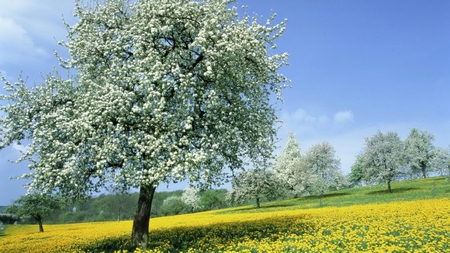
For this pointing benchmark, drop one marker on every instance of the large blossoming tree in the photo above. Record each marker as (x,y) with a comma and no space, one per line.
(162,91)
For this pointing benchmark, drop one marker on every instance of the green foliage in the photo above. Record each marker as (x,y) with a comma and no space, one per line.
(8,219)
(172,206)
(211,199)
(2,228)
(110,244)
(356,175)
(158,200)
(36,205)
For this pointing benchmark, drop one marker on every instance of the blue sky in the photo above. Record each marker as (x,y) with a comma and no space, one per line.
(356,67)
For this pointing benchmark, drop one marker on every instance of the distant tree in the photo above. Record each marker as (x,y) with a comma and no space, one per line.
(419,151)
(356,175)
(441,161)
(290,168)
(212,198)
(159,198)
(173,205)
(35,205)
(164,91)
(384,156)
(324,168)
(191,198)
(119,204)
(256,184)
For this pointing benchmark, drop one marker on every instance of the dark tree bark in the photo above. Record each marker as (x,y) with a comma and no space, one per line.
(40,220)
(424,169)
(41,227)
(139,235)
(258,204)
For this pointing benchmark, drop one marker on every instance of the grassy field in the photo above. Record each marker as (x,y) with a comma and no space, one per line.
(414,218)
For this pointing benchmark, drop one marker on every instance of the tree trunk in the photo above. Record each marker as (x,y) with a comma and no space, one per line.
(41,228)
(389,186)
(321,197)
(139,235)
(424,170)
(258,205)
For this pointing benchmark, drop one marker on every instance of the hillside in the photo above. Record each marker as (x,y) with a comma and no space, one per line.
(417,189)
(415,217)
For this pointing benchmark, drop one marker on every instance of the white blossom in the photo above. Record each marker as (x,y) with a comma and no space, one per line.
(151,78)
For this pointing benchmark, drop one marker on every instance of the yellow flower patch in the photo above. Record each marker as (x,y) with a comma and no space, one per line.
(419,226)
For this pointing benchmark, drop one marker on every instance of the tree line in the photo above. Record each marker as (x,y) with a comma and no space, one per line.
(387,158)
(293,173)
(37,208)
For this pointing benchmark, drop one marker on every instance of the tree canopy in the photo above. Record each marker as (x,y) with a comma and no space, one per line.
(163,91)
(384,157)
(191,198)
(324,169)
(289,167)
(419,151)
(36,205)
(256,184)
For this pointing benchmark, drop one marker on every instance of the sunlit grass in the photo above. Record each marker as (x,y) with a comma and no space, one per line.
(416,217)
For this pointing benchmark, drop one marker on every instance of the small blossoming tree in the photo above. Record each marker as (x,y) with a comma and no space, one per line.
(191,198)
(164,90)
(256,184)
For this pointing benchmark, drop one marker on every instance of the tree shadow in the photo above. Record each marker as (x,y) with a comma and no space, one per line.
(254,208)
(394,190)
(327,195)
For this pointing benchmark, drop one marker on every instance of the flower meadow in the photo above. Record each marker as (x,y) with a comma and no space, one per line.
(410,226)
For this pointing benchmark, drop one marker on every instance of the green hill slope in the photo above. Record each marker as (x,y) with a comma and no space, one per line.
(418,189)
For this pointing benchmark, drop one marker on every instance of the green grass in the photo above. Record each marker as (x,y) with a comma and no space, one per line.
(418,189)
(2,230)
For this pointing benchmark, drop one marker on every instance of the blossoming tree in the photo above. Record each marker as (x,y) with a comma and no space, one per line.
(190,198)
(324,168)
(256,184)
(290,168)
(163,91)
(384,158)
(419,151)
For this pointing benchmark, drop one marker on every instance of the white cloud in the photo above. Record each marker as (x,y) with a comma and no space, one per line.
(309,124)
(20,148)
(29,26)
(301,115)
(15,43)
(343,117)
